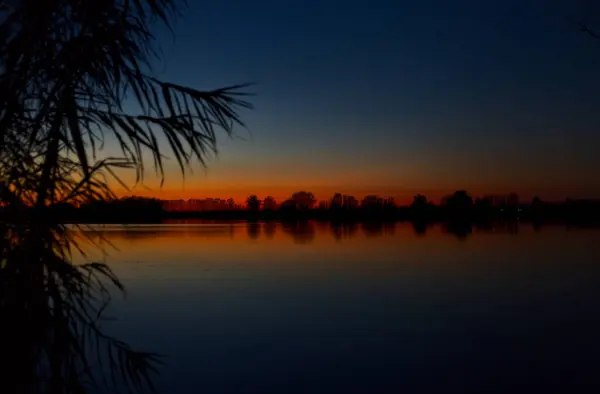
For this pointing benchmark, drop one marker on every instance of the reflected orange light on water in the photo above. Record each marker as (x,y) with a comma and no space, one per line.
(188,242)
(229,259)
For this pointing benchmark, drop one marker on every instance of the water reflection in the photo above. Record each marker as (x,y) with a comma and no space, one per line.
(302,231)
(406,308)
(502,227)
(254,230)
(344,231)
(269,229)
(420,228)
(51,333)
(372,229)
(461,230)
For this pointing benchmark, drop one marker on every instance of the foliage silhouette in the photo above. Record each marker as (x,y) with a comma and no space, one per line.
(303,200)
(269,204)
(52,314)
(253,203)
(70,72)
(459,203)
(68,69)
(419,202)
(230,203)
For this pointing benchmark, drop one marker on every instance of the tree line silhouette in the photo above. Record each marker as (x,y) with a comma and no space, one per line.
(457,207)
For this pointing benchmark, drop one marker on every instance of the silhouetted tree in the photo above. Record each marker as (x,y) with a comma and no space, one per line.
(484,209)
(350,202)
(390,203)
(459,205)
(303,200)
(484,203)
(124,209)
(253,203)
(269,204)
(230,203)
(421,207)
(66,67)
(288,206)
(536,210)
(371,202)
(337,202)
(419,202)
(63,210)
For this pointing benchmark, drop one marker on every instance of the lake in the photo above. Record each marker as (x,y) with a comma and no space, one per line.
(316,308)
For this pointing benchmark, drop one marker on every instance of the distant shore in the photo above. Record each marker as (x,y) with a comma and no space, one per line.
(459,208)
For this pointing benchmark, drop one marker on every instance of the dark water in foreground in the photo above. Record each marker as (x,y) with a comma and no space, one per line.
(268,308)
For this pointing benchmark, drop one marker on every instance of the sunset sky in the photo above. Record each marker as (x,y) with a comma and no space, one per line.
(393,97)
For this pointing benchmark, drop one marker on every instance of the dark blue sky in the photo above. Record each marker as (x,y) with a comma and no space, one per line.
(396,96)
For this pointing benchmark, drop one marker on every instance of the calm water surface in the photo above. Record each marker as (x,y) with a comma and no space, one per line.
(311,308)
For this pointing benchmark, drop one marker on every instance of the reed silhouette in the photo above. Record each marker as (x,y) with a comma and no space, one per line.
(52,312)
(73,73)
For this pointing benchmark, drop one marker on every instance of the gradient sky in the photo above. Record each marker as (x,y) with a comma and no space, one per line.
(394,97)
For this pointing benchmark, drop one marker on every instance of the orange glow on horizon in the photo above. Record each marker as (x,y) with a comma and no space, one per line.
(238,182)
(402,197)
